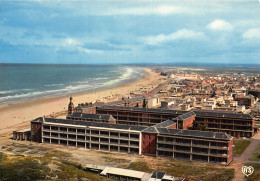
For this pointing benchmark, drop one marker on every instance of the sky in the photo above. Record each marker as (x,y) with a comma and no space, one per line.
(130,31)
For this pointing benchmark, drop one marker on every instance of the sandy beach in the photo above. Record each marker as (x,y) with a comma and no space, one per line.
(18,115)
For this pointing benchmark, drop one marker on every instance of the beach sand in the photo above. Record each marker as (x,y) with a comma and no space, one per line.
(18,115)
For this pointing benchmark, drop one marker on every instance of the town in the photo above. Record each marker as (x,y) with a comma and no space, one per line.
(190,116)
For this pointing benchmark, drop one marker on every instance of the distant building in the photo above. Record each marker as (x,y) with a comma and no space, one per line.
(238,125)
(70,106)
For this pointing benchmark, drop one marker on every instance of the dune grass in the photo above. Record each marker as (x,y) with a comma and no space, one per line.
(240,146)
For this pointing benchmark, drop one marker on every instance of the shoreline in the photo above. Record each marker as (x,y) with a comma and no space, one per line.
(22,112)
(97,90)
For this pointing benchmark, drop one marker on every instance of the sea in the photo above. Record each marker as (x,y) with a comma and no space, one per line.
(28,81)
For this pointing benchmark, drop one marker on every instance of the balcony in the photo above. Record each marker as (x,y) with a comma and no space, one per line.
(219,147)
(123,138)
(167,149)
(218,155)
(134,145)
(166,142)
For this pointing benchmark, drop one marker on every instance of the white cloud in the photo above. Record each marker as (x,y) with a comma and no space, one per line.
(89,51)
(180,34)
(220,25)
(160,10)
(253,33)
(70,42)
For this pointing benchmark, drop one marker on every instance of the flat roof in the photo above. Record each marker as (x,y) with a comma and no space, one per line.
(198,113)
(148,110)
(123,172)
(24,130)
(91,124)
(194,133)
(89,116)
(222,114)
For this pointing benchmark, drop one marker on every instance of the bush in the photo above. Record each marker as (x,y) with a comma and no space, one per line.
(22,169)
(140,166)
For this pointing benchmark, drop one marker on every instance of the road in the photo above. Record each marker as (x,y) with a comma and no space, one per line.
(240,161)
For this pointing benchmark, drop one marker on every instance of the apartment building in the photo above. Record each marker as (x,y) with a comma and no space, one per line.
(92,135)
(237,125)
(162,140)
(139,116)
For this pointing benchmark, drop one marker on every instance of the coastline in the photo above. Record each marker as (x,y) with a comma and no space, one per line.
(19,114)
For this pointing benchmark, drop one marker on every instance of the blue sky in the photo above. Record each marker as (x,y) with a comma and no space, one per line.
(136,31)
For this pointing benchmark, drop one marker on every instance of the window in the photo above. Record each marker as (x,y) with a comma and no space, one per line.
(143,143)
(149,136)
(149,144)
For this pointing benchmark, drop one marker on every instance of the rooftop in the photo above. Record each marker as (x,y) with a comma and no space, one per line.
(149,110)
(90,124)
(195,133)
(89,116)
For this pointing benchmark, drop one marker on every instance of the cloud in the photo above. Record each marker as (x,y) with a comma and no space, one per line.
(89,51)
(160,10)
(180,34)
(70,42)
(253,33)
(220,25)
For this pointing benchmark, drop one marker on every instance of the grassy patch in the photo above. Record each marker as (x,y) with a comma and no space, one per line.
(140,166)
(22,150)
(256,154)
(22,168)
(196,171)
(256,175)
(117,160)
(69,171)
(240,146)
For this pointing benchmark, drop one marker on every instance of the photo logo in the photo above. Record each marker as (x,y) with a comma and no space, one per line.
(247,170)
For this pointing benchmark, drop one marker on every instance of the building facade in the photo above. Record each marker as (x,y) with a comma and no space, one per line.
(158,140)
(237,125)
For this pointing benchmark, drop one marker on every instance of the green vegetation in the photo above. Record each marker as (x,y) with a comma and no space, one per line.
(115,160)
(240,146)
(140,166)
(256,175)
(256,154)
(196,171)
(22,168)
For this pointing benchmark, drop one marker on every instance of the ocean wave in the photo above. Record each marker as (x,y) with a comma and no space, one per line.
(91,84)
(53,85)
(126,75)
(6,92)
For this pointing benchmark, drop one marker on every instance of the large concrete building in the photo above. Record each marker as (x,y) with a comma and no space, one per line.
(238,125)
(162,139)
